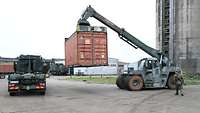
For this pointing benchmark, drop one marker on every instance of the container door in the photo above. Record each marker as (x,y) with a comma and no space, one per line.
(85,49)
(100,49)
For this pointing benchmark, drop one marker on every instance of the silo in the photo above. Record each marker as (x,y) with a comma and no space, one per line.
(180,38)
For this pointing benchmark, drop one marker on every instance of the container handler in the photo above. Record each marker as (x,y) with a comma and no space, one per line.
(155,72)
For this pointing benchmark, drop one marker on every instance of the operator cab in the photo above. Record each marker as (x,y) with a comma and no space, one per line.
(148,64)
(150,69)
(151,73)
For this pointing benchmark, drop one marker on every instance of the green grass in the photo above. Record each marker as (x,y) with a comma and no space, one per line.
(191,79)
(94,79)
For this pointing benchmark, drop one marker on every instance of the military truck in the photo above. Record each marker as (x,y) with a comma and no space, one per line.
(30,75)
(58,69)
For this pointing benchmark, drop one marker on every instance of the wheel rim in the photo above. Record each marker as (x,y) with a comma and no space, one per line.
(135,83)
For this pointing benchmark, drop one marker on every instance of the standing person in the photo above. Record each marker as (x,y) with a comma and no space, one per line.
(179,82)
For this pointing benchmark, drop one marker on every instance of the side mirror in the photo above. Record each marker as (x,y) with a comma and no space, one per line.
(45,68)
(146,64)
(8,77)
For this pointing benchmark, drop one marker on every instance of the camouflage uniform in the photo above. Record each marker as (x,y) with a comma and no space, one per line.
(179,83)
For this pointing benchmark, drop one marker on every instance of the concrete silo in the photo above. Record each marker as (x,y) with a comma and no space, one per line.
(178,32)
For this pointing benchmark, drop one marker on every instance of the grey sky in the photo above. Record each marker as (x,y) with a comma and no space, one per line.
(40,26)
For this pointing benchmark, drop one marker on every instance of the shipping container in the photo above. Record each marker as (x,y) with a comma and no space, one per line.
(87,48)
(6,67)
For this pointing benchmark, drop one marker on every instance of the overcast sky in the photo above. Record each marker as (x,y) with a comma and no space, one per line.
(40,26)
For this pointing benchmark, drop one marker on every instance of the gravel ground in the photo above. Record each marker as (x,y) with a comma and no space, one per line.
(79,97)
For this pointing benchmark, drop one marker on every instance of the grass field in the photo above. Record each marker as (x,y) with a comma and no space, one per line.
(190,79)
(94,79)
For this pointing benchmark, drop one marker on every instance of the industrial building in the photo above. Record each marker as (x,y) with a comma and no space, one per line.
(114,67)
(178,32)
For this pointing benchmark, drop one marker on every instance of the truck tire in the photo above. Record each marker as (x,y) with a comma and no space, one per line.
(12,94)
(134,83)
(171,82)
(126,80)
(42,93)
(120,82)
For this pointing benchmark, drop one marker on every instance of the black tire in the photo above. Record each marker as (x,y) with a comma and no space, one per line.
(12,94)
(42,93)
(126,80)
(120,82)
(134,83)
(171,82)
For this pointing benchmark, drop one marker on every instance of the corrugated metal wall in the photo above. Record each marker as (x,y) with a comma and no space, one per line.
(6,67)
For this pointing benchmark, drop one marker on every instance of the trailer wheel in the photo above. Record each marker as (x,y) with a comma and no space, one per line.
(135,83)
(120,82)
(171,82)
(12,94)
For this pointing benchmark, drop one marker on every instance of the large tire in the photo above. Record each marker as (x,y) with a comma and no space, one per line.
(120,82)
(42,93)
(126,80)
(171,82)
(12,94)
(134,83)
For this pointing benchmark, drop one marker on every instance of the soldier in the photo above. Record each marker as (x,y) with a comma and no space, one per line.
(179,82)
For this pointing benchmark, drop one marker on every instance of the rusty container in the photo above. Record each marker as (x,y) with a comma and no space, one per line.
(87,48)
(6,67)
